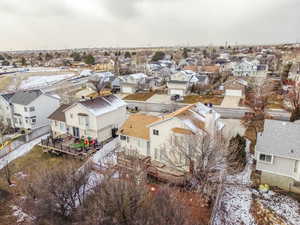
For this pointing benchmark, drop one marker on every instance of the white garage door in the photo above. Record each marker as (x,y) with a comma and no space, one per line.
(128,90)
(176,92)
(237,93)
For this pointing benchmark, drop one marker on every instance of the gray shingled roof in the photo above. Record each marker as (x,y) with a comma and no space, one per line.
(7,97)
(25,97)
(280,139)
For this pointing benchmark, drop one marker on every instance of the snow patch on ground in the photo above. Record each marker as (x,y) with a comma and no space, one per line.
(282,205)
(43,81)
(20,151)
(20,215)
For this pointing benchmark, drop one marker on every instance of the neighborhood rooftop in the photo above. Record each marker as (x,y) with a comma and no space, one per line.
(25,97)
(280,139)
(59,114)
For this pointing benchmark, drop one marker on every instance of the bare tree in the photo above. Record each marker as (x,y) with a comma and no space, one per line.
(55,193)
(198,153)
(122,202)
(98,83)
(292,99)
(7,173)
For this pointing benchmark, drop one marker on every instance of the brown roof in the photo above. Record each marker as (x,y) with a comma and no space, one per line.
(211,69)
(179,130)
(136,126)
(178,112)
(188,115)
(59,114)
(192,68)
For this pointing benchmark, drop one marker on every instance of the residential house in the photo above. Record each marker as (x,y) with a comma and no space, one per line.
(278,155)
(245,68)
(150,136)
(6,109)
(294,73)
(58,121)
(31,108)
(235,87)
(181,82)
(97,118)
(133,82)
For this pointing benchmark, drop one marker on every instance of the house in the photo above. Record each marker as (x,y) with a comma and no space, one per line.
(236,88)
(131,83)
(245,68)
(294,73)
(58,121)
(98,118)
(151,136)
(6,109)
(31,108)
(278,155)
(181,83)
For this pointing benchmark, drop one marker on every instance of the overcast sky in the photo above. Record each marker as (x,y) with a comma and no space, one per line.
(56,24)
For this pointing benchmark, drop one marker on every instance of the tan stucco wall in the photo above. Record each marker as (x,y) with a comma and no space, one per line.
(282,182)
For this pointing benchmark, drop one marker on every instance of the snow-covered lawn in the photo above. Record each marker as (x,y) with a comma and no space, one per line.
(22,150)
(43,81)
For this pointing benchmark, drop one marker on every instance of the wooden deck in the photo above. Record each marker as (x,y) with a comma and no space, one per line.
(154,169)
(63,146)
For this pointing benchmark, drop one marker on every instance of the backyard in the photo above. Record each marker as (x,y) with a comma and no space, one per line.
(139,96)
(192,99)
(27,166)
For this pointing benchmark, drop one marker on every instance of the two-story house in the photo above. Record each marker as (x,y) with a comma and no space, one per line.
(31,108)
(131,83)
(181,82)
(6,109)
(151,136)
(278,155)
(245,68)
(97,117)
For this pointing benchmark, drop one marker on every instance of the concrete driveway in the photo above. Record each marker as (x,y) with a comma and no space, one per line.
(231,102)
(160,99)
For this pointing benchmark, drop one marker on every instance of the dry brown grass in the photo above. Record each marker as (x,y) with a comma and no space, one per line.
(192,99)
(28,165)
(139,96)
(5,81)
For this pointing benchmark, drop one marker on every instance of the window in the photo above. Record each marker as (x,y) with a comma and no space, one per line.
(155,132)
(25,109)
(33,120)
(62,126)
(32,109)
(265,158)
(127,139)
(55,123)
(123,138)
(71,115)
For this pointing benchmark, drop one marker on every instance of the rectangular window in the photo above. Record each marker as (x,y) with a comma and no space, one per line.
(123,138)
(55,123)
(265,158)
(25,109)
(127,139)
(32,109)
(155,132)
(62,126)
(71,115)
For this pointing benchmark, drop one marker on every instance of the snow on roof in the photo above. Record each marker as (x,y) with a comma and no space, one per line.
(102,105)
(86,73)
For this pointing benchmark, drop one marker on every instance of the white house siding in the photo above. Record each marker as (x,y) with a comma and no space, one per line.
(128,89)
(236,93)
(98,127)
(72,120)
(280,166)
(177,89)
(162,141)
(5,112)
(135,144)
(58,128)
(43,107)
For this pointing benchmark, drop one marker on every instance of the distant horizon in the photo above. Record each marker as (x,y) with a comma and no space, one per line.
(154,46)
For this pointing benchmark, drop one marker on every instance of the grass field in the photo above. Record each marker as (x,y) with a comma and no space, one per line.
(192,99)
(5,81)
(139,96)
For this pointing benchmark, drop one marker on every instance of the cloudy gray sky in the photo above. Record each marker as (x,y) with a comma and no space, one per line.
(55,24)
